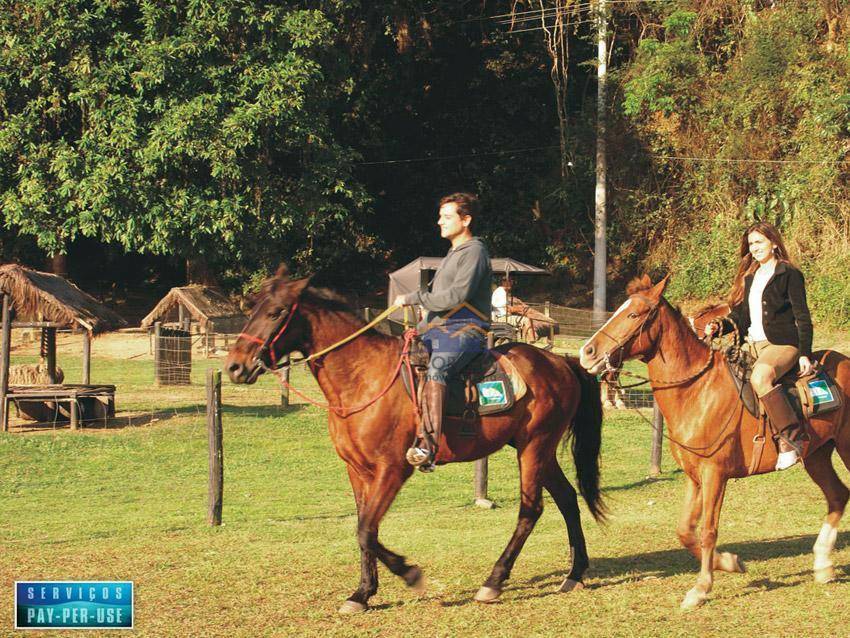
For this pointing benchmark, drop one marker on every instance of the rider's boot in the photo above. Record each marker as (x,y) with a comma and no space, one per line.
(786,426)
(424,451)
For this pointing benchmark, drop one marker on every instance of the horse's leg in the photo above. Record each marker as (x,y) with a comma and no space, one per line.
(685,530)
(819,466)
(530,508)
(377,496)
(564,495)
(713,486)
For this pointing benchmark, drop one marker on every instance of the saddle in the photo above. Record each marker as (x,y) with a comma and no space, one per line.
(810,396)
(489,384)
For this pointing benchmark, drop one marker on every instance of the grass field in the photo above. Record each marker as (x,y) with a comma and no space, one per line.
(130,503)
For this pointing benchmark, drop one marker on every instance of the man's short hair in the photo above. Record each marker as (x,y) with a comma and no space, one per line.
(467,204)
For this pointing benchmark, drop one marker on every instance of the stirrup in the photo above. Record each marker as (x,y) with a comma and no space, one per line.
(787,459)
(417,456)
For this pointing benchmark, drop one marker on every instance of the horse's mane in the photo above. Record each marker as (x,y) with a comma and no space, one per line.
(330,300)
(636,285)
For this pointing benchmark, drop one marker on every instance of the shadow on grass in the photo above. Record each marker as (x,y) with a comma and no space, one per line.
(143,419)
(609,572)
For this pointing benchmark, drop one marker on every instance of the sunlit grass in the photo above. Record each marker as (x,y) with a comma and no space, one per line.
(130,503)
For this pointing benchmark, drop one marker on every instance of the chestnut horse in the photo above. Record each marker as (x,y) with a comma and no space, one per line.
(713,438)
(372,422)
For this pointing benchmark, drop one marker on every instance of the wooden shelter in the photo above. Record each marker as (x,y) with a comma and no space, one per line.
(33,299)
(203,305)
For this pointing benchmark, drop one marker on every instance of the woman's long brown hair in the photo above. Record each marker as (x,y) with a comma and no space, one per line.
(749,265)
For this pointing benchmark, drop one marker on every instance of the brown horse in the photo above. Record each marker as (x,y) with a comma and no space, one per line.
(372,436)
(712,437)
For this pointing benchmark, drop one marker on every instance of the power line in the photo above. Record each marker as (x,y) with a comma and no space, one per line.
(744,160)
(451,157)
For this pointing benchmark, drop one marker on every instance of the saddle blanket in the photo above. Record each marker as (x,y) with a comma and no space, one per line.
(488,385)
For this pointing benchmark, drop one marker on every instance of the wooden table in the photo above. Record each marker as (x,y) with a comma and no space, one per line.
(70,393)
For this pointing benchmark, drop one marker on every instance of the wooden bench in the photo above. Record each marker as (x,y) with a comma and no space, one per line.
(74,395)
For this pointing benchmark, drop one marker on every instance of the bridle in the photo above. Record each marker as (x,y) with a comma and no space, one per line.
(267,345)
(620,344)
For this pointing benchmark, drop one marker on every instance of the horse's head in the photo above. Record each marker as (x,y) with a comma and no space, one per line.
(627,334)
(274,328)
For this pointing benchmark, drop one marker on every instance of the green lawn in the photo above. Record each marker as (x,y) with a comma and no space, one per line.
(130,503)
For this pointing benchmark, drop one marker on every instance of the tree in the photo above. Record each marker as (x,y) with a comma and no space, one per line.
(198,128)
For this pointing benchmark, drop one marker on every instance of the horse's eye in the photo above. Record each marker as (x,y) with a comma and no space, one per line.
(275,314)
(633,315)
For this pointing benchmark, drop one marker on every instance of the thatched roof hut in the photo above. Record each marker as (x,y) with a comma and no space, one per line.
(207,306)
(42,296)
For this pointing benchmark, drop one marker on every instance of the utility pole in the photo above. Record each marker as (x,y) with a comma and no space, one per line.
(600,257)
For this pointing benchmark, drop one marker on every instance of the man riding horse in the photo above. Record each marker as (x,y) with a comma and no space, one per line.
(454,329)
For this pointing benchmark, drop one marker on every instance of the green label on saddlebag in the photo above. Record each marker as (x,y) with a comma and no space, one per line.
(492,393)
(820,391)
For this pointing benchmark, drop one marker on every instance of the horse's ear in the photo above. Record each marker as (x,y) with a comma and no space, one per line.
(298,286)
(658,289)
(646,282)
(282,271)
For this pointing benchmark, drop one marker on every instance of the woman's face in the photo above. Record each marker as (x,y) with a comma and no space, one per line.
(761,248)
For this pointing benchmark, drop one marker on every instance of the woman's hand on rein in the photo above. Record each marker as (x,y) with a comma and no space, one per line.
(806,366)
(710,328)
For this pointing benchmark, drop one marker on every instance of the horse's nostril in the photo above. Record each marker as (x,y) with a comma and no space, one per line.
(589,350)
(235,370)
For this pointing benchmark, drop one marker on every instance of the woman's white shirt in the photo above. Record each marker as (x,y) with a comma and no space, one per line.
(760,279)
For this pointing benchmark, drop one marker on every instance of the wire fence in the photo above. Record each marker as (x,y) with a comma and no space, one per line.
(141,377)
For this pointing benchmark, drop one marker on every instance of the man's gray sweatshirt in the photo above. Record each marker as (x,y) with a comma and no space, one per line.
(463,276)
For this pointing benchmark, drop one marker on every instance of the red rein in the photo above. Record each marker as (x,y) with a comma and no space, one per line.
(341,410)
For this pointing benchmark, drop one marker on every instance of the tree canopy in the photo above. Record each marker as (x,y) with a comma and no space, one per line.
(322,132)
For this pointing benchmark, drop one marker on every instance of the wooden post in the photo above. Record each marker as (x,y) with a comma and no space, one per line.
(74,410)
(48,352)
(157,331)
(284,389)
(86,357)
(210,338)
(657,434)
(482,465)
(547,308)
(216,451)
(5,348)
(551,337)
(366,314)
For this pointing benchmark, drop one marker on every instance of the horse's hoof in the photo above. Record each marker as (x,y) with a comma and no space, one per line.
(825,575)
(570,585)
(415,579)
(352,607)
(693,599)
(731,563)
(487,595)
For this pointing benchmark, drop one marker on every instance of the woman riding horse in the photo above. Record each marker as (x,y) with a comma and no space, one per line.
(769,306)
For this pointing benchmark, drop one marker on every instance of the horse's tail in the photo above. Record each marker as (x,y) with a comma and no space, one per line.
(587,440)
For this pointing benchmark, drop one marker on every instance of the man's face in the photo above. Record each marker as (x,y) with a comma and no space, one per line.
(450,222)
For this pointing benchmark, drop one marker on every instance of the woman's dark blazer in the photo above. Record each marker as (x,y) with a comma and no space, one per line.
(785,313)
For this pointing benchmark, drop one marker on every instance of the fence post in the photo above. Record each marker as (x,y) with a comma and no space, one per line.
(5,349)
(284,387)
(216,452)
(157,333)
(482,465)
(86,357)
(366,314)
(547,308)
(657,434)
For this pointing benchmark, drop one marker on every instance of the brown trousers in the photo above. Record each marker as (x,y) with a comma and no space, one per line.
(772,362)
